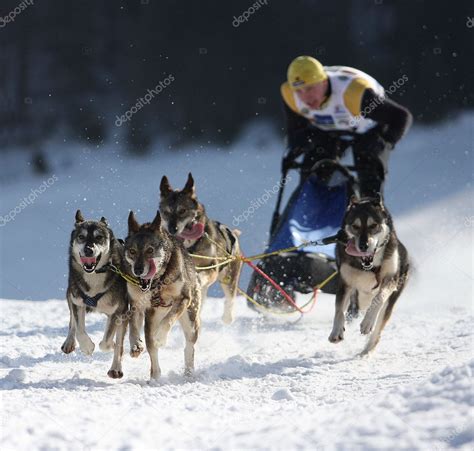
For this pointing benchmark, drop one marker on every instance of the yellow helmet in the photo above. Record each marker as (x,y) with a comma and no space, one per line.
(305,70)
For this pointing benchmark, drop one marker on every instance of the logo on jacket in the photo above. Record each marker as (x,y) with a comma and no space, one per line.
(323,119)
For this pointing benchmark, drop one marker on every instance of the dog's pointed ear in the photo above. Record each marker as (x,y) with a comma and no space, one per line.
(156,224)
(189,187)
(352,201)
(165,186)
(79,217)
(103,220)
(378,200)
(133,225)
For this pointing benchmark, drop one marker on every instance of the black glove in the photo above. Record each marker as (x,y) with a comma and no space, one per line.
(374,142)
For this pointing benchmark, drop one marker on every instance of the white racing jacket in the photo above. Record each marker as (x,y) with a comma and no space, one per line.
(342,110)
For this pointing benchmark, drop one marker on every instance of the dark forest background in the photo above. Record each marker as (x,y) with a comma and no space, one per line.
(73,66)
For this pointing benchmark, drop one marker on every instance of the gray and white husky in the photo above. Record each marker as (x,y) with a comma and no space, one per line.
(167,290)
(92,246)
(373,266)
(186,219)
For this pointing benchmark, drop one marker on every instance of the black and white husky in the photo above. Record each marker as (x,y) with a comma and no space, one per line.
(92,246)
(373,266)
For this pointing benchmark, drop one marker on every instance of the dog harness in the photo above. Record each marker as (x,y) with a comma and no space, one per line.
(91,301)
(228,236)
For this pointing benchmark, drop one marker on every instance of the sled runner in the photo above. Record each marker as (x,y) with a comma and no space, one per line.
(314,211)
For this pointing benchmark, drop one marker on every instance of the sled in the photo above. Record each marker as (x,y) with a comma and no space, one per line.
(314,211)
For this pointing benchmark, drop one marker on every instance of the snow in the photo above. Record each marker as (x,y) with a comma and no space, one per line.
(264,382)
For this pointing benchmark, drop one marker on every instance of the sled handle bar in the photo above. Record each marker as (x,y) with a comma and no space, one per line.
(344,169)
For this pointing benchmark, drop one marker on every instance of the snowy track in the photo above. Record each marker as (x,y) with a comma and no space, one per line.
(261,383)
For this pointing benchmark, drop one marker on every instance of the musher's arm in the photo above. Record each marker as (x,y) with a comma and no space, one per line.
(299,132)
(393,120)
(298,129)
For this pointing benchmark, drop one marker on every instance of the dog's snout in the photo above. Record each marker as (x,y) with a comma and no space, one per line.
(138,270)
(88,251)
(363,245)
(172,228)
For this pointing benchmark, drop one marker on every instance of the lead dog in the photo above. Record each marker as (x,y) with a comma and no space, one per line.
(167,290)
(93,245)
(373,266)
(185,217)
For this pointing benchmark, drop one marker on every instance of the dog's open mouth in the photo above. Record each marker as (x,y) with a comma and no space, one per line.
(368,262)
(145,282)
(90,263)
(367,258)
(192,231)
(351,249)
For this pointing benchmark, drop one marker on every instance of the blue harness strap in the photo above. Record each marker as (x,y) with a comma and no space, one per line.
(91,301)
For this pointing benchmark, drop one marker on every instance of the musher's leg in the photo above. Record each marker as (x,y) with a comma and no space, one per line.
(371,163)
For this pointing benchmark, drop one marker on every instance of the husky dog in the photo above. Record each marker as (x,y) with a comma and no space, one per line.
(167,290)
(185,218)
(92,246)
(373,265)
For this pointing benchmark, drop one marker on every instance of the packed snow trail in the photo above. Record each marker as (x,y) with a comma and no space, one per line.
(260,384)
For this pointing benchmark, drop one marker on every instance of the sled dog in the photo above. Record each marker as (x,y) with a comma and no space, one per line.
(167,290)
(185,218)
(373,266)
(92,246)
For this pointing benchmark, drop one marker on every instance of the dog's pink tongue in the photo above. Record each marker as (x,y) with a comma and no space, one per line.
(88,260)
(152,270)
(196,232)
(352,250)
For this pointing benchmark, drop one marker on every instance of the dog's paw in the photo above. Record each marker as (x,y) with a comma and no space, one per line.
(68,346)
(336,336)
(105,346)
(228,318)
(155,375)
(115,374)
(366,326)
(189,373)
(136,349)
(86,345)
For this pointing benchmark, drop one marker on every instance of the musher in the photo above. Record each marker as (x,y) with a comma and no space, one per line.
(329,109)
